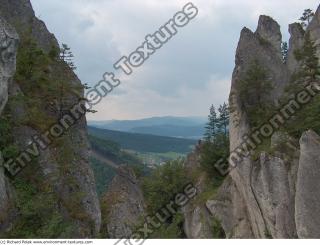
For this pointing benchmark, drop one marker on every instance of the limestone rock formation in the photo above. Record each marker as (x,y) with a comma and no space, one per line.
(269,30)
(249,46)
(229,207)
(123,205)
(21,12)
(296,41)
(272,195)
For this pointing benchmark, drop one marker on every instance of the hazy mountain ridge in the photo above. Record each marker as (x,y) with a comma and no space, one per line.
(145,142)
(185,127)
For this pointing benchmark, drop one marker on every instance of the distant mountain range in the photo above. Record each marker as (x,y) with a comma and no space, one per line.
(181,127)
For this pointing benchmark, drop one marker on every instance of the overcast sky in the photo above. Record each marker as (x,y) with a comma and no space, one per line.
(191,72)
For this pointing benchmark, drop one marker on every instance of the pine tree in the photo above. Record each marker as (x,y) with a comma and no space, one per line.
(255,84)
(67,56)
(223,120)
(211,127)
(86,86)
(306,17)
(216,145)
(254,91)
(54,52)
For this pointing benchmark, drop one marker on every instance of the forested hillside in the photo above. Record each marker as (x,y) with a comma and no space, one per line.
(106,157)
(144,142)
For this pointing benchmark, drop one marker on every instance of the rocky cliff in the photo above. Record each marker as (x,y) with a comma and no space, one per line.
(274,193)
(57,189)
(123,206)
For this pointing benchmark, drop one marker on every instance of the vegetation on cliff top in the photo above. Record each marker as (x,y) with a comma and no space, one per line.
(309,73)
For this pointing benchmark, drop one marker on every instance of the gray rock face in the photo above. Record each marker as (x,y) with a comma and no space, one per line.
(251,44)
(269,30)
(124,207)
(265,42)
(266,207)
(21,10)
(274,194)
(8,48)
(229,207)
(307,195)
(198,221)
(295,43)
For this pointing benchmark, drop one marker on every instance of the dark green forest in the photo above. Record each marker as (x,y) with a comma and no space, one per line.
(144,142)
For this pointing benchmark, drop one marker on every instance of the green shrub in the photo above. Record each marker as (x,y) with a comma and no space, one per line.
(163,183)
(218,231)
(38,213)
(8,148)
(171,230)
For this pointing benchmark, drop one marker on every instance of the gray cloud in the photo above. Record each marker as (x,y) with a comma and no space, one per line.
(192,71)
